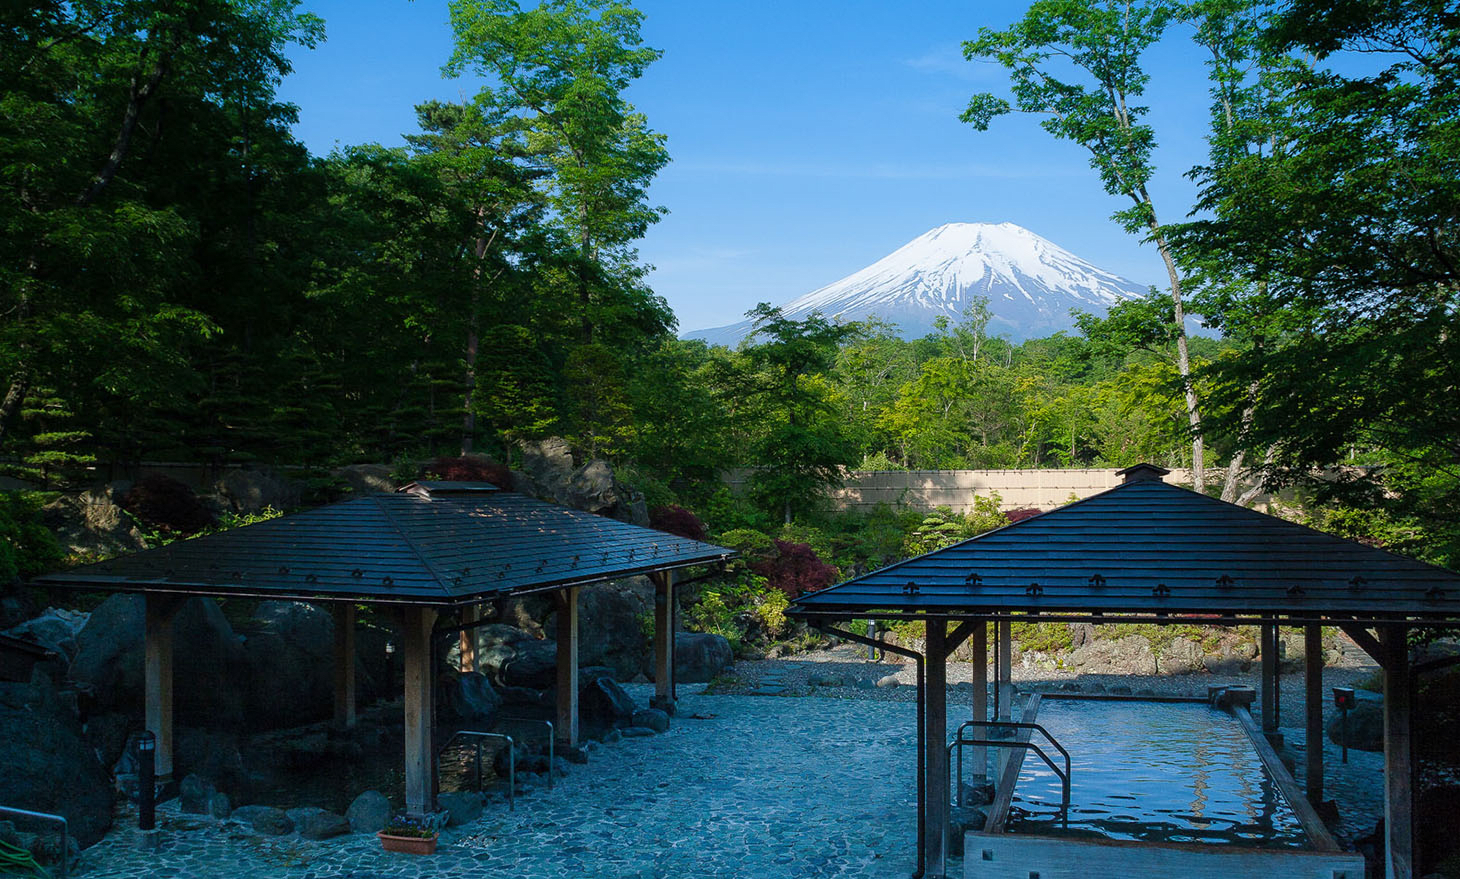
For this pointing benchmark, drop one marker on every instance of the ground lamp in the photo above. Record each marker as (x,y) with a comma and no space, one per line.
(146,781)
(1343,698)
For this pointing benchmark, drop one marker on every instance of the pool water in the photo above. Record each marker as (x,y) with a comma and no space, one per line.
(1154,772)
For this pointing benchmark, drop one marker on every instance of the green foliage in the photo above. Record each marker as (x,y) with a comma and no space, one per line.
(945,527)
(27,547)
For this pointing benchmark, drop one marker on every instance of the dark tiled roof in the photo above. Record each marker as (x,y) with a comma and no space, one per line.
(428,547)
(1151,548)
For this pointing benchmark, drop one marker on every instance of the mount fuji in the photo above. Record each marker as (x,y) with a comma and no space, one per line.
(1031,284)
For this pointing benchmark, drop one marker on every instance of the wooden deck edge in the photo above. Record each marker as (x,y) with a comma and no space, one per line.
(1017,856)
(1117,697)
(998,813)
(1313,825)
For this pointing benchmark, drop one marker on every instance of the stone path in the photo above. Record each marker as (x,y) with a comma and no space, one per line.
(737,787)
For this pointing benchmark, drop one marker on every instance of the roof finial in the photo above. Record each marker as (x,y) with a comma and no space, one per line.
(1142,472)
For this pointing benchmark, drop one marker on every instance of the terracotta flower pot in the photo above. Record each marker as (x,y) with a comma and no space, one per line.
(411,845)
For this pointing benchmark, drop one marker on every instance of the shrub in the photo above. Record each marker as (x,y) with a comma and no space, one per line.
(167,505)
(796,568)
(468,468)
(752,545)
(27,547)
(678,521)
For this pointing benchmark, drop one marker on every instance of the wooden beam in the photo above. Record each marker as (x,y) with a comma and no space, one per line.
(344,618)
(1013,763)
(936,736)
(1318,835)
(1269,678)
(1005,666)
(1398,765)
(567,641)
(417,623)
(980,676)
(958,635)
(1313,712)
(663,640)
(1366,641)
(467,640)
(157,672)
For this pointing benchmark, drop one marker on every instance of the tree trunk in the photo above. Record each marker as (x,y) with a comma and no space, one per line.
(137,97)
(1183,360)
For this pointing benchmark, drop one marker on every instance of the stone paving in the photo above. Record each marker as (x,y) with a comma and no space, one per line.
(746,787)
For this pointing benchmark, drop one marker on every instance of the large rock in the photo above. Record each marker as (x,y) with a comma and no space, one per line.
(1182,656)
(609,630)
(46,765)
(55,629)
(1365,726)
(469,696)
(290,657)
(549,473)
(603,705)
(195,795)
(313,822)
(264,819)
(366,478)
(462,807)
(1131,655)
(93,523)
(368,812)
(249,491)
(510,657)
(208,664)
(699,656)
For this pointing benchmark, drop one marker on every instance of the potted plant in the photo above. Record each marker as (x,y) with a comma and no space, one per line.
(410,835)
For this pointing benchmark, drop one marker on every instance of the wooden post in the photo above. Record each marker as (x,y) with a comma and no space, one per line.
(936,736)
(1313,711)
(467,640)
(417,623)
(344,614)
(567,640)
(157,671)
(1006,671)
(980,641)
(663,640)
(1269,677)
(1398,768)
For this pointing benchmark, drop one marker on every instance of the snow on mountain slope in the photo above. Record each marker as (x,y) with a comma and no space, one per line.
(1031,283)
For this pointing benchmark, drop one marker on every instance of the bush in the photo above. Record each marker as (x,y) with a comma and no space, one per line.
(27,548)
(468,468)
(796,568)
(678,521)
(752,545)
(169,506)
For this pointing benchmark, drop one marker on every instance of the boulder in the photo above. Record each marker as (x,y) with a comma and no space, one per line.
(208,667)
(653,718)
(636,732)
(366,478)
(46,764)
(93,522)
(195,795)
(888,681)
(212,754)
(264,819)
(289,654)
(55,629)
(316,823)
(1182,656)
(1365,726)
(603,704)
(609,630)
(549,473)
(462,807)
(1131,655)
(533,664)
(249,491)
(219,806)
(368,812)
(496,648)
(699,656)
(469,696)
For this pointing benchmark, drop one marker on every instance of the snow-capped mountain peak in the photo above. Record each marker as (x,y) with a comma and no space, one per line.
(1032,285)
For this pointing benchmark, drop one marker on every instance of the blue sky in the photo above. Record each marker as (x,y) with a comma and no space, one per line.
(808,138)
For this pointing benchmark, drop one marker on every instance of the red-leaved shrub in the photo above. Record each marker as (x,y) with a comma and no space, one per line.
(678,521)
(796,568)
(1021,514)
(167,505)
(469,468)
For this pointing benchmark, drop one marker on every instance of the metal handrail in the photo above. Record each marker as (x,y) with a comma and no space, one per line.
(46,816)
(511,760)
(1013,724)
(1028,746)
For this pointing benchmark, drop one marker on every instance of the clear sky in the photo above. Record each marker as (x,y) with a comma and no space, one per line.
(808,137)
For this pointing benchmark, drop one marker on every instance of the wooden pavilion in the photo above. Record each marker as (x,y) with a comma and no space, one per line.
(1147,551)
(428,550)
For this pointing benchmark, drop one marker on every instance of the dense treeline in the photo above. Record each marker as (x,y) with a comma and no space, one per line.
(182,280)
